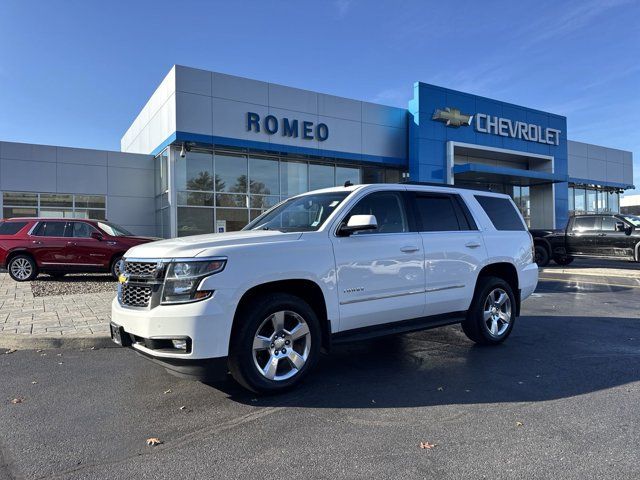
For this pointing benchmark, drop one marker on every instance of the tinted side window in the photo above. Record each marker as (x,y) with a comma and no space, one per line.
(79,230)
(609,223)
(438,213)
(388,208)
(11,228)
(501,212)
(582,224)
(50,229)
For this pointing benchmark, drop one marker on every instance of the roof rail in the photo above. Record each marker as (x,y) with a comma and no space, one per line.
(436,184)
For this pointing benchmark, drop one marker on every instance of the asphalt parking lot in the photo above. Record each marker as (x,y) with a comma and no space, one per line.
(558,399)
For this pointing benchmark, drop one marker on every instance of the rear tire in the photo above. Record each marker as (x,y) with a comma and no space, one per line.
(275,344)
(22,268)
(492,314)
(542,256)
(562,260)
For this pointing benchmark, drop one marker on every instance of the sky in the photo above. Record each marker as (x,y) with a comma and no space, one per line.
(76,73)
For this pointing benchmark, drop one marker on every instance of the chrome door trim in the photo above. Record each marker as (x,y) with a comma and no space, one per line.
(381,297)
(439,289)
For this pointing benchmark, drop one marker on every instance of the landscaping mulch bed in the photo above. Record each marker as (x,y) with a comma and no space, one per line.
(45,285)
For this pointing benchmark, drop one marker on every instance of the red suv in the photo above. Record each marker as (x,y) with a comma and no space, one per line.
(60,246)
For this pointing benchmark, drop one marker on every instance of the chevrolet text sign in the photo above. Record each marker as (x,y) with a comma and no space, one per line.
(521,130)
(504,127)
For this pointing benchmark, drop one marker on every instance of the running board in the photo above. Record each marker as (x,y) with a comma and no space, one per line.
(394,328)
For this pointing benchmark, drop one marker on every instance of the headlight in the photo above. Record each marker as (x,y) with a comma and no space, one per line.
(183,278)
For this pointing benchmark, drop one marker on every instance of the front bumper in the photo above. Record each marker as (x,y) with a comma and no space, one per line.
(207,325)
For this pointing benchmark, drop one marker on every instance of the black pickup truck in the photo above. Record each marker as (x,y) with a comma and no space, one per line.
(597,235)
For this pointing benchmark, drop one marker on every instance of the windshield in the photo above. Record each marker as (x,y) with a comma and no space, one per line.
(632,219)
(300,214)
(114,230)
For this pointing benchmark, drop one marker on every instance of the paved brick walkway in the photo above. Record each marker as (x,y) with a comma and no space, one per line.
(62,315)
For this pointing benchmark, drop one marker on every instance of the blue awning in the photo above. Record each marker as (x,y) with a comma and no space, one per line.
(515,176)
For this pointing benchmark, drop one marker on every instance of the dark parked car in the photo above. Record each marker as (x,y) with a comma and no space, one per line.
(60,246)
(599,236)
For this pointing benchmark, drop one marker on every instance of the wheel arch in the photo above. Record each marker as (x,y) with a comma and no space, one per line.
(507,272)
(307,290)
(20,251)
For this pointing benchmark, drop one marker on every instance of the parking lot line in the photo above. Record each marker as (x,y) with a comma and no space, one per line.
(589,282)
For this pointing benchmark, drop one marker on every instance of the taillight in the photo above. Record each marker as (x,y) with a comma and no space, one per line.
(533,248)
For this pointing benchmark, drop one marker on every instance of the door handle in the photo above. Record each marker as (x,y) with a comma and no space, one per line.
(409,249)
(72,244)
(36,242)
(472,244)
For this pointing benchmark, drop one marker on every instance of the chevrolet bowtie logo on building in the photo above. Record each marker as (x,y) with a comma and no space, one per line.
(452,117)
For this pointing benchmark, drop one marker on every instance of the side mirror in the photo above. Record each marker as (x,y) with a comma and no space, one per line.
(358,223)
(97,236)
(620,227)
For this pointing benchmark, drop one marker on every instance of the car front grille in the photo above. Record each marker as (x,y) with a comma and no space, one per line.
(142,269)
(143,285)
(135,295)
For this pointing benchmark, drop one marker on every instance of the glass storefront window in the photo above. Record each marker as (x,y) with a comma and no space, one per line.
(89,201)
(194,221)
(199,199)
(321,176)
(19,199)
(263,177)
(293,178)
(56,200)
(263,202)
(592,206)
(602,201)
(614,202)
(161,172)
(372,175)
(232,219)
(231,173)
(392,176)
(580,199)
(572,205)
(231,200)
(12,212)
(344,174)
(194,172)
(52,205)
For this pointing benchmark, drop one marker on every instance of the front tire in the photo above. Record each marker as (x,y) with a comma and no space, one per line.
(492,314)
(275,344)
(22,268)
(542,256)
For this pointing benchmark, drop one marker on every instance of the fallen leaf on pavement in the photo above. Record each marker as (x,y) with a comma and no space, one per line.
(183,407)
(153,441)
(59,354)
(440,389)
(519,424)
(38,351)
(34,382)
(60,363)
(11,350)
(427,445)
(167,391)
(17,400)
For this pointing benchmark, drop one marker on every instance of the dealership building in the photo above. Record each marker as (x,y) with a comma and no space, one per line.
(209,152)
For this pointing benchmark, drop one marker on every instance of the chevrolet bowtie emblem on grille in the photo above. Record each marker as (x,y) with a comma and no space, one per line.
(123,278)
(452,117)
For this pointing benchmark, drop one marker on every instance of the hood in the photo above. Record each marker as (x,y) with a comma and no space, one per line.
(203,244)
(137,238)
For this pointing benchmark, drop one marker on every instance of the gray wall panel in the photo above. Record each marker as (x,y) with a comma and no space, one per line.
(132,211)
(74,178)
(27,176)
(130,182)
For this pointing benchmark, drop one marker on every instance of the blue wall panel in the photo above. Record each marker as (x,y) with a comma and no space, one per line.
(428,138)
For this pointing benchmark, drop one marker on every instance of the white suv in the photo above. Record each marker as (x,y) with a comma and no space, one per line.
(325,267)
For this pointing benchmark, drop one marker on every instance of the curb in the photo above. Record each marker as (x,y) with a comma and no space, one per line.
(33,342)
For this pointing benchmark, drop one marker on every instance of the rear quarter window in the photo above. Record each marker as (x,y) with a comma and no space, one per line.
(501,212)
(11,228)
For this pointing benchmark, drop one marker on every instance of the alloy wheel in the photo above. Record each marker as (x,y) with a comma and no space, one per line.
(21,268)
(281,345)
(497,312)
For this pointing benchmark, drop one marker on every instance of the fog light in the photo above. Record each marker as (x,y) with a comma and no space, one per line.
(179,344)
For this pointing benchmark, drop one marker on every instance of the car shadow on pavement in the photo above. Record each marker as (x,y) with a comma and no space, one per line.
(546,358)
